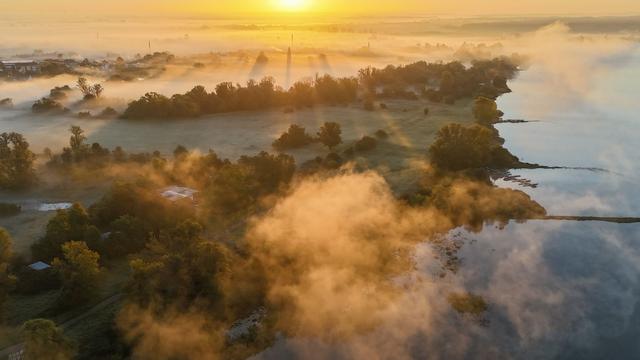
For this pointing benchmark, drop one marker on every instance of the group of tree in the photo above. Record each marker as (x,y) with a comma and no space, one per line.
(228,97)
(296,136)
(235,188)
(79,152)
(440,81)
(60,92)
(180,268)
(79,271)
(16,162)
(460,147)
(89,91)
(48,105)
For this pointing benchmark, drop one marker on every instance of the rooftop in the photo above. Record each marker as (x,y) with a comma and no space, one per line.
(39,266)
(175,193)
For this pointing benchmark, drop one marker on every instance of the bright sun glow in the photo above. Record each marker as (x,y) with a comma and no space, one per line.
(292,5)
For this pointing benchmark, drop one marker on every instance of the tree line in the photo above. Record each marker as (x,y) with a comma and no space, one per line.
(229,97)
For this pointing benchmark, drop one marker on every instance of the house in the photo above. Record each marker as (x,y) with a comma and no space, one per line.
(19,67)
(39,266)
(176,193)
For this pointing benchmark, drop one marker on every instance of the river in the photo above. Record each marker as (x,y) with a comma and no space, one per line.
(563,289)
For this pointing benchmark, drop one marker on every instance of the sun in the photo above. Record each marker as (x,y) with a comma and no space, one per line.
(292,5)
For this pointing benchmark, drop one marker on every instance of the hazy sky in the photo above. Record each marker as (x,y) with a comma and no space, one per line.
(345,7)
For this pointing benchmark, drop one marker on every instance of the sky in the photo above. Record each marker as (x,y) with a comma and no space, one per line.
(342,7)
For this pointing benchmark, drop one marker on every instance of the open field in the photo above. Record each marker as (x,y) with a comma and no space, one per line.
(400,158)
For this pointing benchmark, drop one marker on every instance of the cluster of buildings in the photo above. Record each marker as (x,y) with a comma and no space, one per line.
(19,68)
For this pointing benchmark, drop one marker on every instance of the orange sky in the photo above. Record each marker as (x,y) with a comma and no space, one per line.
(343,7)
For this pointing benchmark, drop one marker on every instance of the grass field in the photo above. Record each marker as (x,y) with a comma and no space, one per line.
(400,158)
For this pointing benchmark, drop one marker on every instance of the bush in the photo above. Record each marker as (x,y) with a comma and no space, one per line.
(47,105)
(9,209)
(332,161)
(59,92)
(383,106)
(295,137)
(367,143)
(108,112)
(381,134)
(84,115)
(6,103)
(426,111)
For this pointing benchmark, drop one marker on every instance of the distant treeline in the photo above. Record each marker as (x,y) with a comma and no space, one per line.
(228,97)
(435,81)
(441,81)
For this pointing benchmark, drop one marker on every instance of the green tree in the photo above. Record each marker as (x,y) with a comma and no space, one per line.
(67,225)
(16,162)
(76,141)
(330,134)
(7,281)
(459,147)
(44,340)
(181,268)
(79,272)
(295,137)
(485,110)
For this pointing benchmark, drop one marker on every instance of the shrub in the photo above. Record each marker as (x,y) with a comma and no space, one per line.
(47,105)
(332,161)
(349,152)
(381,134)
(383,106)
(367,143)
(108,112)
(84,115)
(330,134)
(467,303)
(7,209)
(59,92)
(295,137)
(6,103)
(426,111)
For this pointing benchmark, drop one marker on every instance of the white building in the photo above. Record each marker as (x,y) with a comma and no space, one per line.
(175,193)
